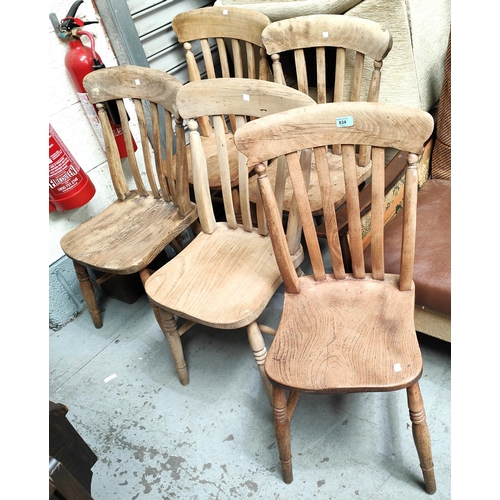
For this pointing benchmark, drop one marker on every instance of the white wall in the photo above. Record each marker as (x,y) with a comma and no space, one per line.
(68,118)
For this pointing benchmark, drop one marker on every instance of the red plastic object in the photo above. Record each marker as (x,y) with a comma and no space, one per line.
(79,62)
(69,186)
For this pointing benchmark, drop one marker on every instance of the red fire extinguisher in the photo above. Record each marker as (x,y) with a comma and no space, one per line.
(69,185)
(80,60)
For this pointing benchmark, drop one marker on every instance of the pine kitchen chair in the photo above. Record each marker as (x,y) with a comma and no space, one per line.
(343,332)
(230,40)
(332,58)
(226,276)
(130,233)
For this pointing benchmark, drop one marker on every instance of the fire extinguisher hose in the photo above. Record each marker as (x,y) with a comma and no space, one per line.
(92,46)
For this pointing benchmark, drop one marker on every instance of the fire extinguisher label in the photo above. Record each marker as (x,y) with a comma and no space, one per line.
(64,174)
(69,185)
(93,118)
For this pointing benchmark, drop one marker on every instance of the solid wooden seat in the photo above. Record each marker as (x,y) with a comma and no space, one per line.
(221,42)
(343,332)
(335,364)
(129,234)
(329,58)
(226,276)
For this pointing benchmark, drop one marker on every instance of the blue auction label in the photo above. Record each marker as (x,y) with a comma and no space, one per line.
(345,121)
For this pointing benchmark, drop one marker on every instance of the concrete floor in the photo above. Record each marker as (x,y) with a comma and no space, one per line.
(156,439)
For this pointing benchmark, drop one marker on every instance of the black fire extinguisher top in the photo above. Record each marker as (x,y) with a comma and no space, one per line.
(63,28)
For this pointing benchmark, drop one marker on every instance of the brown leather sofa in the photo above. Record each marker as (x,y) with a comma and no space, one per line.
(432,269)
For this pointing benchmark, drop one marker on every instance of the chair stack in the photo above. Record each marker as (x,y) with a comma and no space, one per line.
(279,161)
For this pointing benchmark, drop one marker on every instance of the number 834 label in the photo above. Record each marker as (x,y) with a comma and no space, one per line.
(344,121)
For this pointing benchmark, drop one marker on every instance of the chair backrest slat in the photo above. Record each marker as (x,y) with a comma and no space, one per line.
(321,75)
(338,88)
(252,66)
(340,62)
(237,58)
(141,119)
(377,213)
(200,181)
(278,238)
(156,128)
(308,226)
(243,188)
(134,169)
(409,223)
(352,203)
(166,166)
(223,58)
(114,164)
(207,58)
(330,218)
(359,64)
(220,136)
(301,68)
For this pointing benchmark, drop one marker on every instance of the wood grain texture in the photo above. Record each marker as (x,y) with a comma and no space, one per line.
(378,125)
(223,280)
(240,96)
(126,236)
(319,30)
(210,22)
(324,344)
(133,82)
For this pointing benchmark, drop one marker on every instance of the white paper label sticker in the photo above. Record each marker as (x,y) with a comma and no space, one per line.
(397,367)
(246,97)
(225,12)
(345,121)
(325,34)
(137,81)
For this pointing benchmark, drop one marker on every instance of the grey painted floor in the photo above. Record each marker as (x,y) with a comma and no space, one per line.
(214,439)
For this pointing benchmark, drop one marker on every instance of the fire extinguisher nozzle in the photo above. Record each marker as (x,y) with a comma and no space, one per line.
(97,65)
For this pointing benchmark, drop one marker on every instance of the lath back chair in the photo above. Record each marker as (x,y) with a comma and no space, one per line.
(226,276)
(343,332)
(150,214)
(230,40)
(344,56)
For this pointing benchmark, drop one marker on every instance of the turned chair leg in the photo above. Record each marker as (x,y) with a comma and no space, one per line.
(259,350)
(168,326)
(282,428)
(88,293)
(421,436)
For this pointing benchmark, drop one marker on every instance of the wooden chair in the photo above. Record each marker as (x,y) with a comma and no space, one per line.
(226,276)
(129,234)
(230,41)
(343,332)
(334,53)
